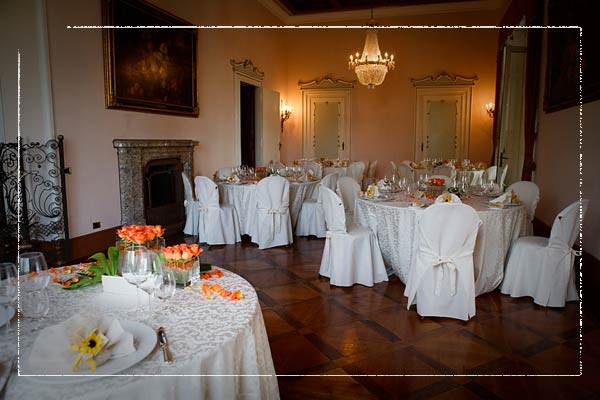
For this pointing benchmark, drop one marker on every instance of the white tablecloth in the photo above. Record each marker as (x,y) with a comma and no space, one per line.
(207,337)
(243,198)
(395,226)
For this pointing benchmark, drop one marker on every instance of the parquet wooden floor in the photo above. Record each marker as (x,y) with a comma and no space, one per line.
(336,343)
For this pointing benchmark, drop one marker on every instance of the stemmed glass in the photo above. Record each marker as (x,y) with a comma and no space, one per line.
(136,266)
(153,282)
(166,285)
(8,289)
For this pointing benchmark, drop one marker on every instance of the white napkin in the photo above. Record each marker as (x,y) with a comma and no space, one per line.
(233,178)
(372,191)
(384,185)
(504,198)
(51,353)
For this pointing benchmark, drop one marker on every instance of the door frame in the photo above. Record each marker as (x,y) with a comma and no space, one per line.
(245,71)
(322,90)
(443,86)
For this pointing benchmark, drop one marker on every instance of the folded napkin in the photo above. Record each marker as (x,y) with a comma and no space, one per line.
(372,191)
(502,199)
(233,178)
(79,343)
(385,185)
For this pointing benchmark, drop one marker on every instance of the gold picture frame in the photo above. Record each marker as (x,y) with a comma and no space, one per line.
(148,67)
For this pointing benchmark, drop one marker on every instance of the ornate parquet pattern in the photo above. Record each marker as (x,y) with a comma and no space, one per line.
(335,343)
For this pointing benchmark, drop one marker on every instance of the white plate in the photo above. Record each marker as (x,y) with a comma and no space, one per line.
(381,198)
(417,207)
(145,341)
(6,314)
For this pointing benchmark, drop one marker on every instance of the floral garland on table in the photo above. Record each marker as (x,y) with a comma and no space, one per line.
(145,235)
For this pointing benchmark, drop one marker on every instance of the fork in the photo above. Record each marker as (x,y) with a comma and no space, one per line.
(13,368)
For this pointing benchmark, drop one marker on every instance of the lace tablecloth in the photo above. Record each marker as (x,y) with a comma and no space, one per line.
(395,226)
(206,337)
(243,198)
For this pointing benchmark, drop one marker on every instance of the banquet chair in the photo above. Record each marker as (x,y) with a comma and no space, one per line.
(502,177)
(529,195)
(541,267)
(217,224)
(272,224)
(441,280)
(310,219)
(370,175)
(223,173)
(446,170)
(191,207)
(314,167)
(348,190)
(351,253)
(355,170)
(405,171)
(490,173)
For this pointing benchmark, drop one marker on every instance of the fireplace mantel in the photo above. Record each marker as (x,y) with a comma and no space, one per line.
(133,155)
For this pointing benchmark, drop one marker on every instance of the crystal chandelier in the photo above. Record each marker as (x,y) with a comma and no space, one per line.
(371,68)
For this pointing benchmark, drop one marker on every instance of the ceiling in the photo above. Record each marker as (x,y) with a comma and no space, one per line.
(300,7)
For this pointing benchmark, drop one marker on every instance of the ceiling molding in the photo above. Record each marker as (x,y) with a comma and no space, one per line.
(380,12)
(444,79)
(326,83)
(248,69)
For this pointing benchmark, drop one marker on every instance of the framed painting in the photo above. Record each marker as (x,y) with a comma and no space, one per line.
(562,75)
(148,69)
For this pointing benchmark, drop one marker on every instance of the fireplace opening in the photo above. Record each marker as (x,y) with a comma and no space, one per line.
(163,194)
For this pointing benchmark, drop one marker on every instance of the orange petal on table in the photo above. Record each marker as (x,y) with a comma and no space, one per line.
(56,279)
(218,273)
(54,271)
(215,287)
(237,295)
(33,274)
(66,284)
(225,293)
(206,291)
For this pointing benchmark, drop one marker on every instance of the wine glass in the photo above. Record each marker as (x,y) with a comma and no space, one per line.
(8,289)
(165,288)
(34,271)
(136,265)
(152,282)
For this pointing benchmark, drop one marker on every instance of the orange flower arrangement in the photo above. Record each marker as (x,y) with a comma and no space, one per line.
(183,260)
(140,234)
(181,252)
(436,181)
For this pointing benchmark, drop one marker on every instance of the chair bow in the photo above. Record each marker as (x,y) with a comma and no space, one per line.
(441,261)
(273,212)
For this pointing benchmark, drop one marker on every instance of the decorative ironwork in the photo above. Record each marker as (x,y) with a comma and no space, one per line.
(35,200)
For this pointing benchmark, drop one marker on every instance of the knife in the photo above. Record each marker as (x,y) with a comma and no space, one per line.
(162,339)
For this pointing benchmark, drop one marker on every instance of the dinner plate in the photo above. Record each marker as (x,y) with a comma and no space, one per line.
(145,340)
(6,314)
(376,199)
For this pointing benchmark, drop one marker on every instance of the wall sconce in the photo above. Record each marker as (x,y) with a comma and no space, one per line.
(489,107)
(286,111)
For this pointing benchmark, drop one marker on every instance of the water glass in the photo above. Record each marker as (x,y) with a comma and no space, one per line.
(136,265)
(8,289)
(34,271)
(166,285)
(35,304)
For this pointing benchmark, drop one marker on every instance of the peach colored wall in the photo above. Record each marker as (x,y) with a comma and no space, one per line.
(89,128)
(383,122)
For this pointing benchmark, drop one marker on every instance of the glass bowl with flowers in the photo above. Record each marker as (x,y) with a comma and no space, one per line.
(184,260)
(435,187)
(149,236)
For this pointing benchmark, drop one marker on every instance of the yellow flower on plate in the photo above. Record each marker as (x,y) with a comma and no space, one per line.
(514,198)
(370,191)
(447,198)
(88,347)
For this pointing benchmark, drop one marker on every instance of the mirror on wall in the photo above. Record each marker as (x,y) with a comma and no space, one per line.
(326,118)
(443,116)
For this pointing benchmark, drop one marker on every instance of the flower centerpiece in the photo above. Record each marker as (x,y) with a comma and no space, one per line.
(435,187)
(183,259)
(149,236)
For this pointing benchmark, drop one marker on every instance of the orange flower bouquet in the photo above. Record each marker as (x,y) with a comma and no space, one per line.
(183,259)
(149,236)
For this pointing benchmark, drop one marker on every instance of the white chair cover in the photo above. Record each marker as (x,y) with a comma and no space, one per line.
(490,173)
(447,180)
(310,219)
(356,170)
(441,281)
(502,177)
(446,170)
(314,167)
(529,195)
(447,198)
(272,225)
(351,254)
(543,268)
(476,177)
(216,224)
(405,171)
(348,190)
(223,173)
(191,207)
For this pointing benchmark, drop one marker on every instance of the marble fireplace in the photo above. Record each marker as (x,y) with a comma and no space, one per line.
(150,184)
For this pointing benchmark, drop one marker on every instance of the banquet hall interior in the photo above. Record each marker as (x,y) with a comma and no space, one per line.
(261,72)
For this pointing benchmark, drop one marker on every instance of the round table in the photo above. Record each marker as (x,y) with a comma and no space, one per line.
(243,198)
(206,337)
(395,225)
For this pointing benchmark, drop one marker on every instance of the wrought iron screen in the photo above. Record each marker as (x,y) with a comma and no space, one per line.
(33,210)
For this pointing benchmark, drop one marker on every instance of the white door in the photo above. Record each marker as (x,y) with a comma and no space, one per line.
(268,134)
